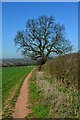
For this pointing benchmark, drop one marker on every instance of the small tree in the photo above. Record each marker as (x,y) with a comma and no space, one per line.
(41,38)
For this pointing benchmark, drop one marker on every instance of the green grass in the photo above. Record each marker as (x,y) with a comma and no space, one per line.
(40,111)
(33,92)
(39,108)
(11,76)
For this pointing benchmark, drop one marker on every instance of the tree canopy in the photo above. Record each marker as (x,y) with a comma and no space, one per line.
(41,38)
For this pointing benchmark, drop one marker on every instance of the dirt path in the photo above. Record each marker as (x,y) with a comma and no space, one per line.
(21,107)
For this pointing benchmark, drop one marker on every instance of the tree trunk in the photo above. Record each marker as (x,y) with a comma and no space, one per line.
(43,61)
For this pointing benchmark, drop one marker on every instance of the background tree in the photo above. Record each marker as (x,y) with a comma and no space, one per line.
(41,38)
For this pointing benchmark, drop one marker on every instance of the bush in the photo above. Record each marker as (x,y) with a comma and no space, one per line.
(64,68)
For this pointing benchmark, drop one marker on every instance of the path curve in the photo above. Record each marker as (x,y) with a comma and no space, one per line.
(21,107)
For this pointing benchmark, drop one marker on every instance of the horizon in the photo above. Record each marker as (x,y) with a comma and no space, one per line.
(31,59)
(16,15)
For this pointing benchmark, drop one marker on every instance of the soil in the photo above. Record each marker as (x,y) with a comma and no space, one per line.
(21,108)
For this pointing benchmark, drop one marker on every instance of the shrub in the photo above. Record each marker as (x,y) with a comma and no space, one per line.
(64,68)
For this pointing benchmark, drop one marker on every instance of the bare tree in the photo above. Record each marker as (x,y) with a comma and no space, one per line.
(41,38)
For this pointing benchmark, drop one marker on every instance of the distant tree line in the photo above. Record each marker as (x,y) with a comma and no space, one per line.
(12,63)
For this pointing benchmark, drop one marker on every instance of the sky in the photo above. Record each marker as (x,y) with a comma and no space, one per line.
(15,15)
(0,30)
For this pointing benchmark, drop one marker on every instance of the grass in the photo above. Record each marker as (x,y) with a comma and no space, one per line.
(63,100)
(68,90)
(33,92)
(56,94)
(39,108)
(12,80)
(40,111)
(47,78)
(46,103)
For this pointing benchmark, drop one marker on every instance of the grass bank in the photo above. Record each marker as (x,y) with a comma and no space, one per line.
(63,72)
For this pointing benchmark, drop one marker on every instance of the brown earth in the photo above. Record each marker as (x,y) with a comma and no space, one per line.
(21,108)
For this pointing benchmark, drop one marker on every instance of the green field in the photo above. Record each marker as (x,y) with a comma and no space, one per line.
(12,79)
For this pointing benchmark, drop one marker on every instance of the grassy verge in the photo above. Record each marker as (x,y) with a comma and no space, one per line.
(64,101)
(64,71)
(39,108)
(51,99)
(13,79)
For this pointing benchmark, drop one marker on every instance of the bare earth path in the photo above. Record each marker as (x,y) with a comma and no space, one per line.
(20,109)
